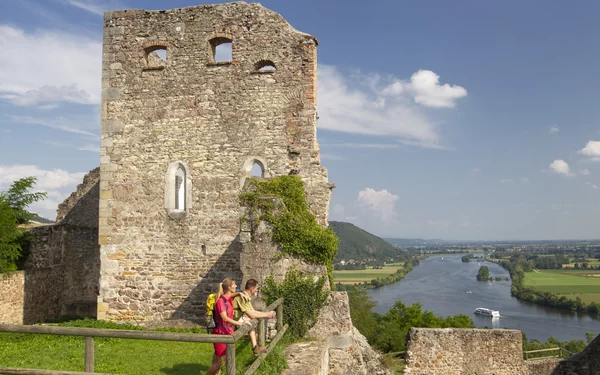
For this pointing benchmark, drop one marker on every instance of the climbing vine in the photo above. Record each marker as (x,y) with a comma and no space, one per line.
(295,227)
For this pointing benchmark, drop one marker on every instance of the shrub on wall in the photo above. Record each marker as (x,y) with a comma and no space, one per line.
(303,297)
(295,228)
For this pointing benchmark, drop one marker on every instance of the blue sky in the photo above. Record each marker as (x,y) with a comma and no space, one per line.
(456,120)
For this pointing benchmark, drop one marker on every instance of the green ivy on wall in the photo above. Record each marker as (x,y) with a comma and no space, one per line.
(295,228)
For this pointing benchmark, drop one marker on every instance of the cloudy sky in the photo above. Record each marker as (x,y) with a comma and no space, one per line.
(455,120)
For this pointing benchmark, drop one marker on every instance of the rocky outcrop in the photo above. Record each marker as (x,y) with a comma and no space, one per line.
(349,351)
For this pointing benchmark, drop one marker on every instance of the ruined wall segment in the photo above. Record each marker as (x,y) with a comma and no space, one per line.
(11,298)
(455,351)
(214,118)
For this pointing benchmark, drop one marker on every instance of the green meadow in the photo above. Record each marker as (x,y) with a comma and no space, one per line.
(570,283)
(358,276)
(125,356)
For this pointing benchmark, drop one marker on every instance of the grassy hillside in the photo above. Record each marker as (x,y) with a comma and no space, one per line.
(358,244)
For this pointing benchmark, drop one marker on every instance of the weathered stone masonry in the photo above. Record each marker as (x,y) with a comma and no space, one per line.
(213,120)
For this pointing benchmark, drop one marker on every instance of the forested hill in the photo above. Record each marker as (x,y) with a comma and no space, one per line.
(359,244)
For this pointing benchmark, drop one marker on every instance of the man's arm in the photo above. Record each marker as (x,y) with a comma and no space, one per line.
(253,314)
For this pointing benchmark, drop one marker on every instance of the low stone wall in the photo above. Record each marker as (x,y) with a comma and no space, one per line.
(453,351)
(11,298)
(543,366)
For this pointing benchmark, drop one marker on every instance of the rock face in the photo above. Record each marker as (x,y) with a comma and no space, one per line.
(182,126)
(349,352)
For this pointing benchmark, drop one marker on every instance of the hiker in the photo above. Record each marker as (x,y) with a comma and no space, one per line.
(224,322)
(243,311)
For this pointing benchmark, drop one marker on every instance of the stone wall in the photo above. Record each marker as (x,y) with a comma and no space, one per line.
(454,351)
(212,120)
(260,256)
(585,363)
(11,298)
(61,276)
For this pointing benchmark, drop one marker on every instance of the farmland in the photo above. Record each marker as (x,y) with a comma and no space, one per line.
(568,282)
(359,276)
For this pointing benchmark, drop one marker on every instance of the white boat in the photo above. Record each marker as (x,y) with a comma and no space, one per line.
(487,312)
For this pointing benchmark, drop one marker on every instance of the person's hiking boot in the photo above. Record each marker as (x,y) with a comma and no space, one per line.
(259,349)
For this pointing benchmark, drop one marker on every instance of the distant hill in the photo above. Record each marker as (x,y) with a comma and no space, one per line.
(415,241)
(41,220)
(358,244)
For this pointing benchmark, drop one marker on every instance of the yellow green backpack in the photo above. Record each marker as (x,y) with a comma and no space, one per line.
(209,319)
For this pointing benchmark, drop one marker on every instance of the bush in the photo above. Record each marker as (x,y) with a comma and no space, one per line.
(302,300)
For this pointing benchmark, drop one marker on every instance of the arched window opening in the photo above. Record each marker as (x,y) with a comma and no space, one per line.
(156,57)
(257,170)
(265,66)
(222,50)
(180,188)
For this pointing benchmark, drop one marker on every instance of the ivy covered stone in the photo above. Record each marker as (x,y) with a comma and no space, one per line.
(294,227)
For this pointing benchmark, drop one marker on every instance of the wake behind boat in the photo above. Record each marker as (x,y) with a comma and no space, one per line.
(487,312)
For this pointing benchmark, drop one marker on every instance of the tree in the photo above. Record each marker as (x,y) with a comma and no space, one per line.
(13,204)
(483,274)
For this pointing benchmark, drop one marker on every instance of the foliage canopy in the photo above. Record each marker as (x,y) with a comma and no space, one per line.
(13,204)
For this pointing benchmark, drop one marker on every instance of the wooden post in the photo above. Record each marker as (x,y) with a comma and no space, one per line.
(89,354)
(261,332)
(279,311)
(230,357)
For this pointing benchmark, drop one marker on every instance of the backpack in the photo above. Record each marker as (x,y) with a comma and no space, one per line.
(209,319)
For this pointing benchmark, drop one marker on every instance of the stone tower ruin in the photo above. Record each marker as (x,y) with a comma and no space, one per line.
(192,100)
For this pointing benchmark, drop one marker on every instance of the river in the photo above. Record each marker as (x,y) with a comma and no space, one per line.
(440,284)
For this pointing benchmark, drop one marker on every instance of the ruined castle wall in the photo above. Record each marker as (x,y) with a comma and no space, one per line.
(213,119)
(455,351)
(11,298)
(61,275)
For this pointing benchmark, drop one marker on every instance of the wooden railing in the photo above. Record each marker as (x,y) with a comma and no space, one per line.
(90,333)
(541,353)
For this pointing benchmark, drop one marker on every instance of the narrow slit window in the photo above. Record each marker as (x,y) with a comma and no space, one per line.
(180,189)
(222,50)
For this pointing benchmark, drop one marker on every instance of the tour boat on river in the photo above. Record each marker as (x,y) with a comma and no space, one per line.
(487,312)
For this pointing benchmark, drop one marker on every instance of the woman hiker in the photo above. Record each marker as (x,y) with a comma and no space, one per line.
(224,322)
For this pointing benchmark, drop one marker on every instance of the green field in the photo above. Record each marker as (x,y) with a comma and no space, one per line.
(124,356)
(358,276)
(570,283)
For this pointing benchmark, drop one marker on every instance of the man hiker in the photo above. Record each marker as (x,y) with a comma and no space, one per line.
(243,310)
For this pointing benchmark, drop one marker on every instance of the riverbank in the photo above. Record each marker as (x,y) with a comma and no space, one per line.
(371,277)
(442,286)
(545,295)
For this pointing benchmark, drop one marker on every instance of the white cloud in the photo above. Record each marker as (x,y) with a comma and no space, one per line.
(427,90)
(525,180)
(92,147)
(57,183)
(362,104)
(90,6)
(328,156)
(560,167)
(339,209)
(554,130)
(584,172)
(49,66)
(362,145)
(594,186)
(507,180)
(476,170)
(71,125)
(592,149)
(381,203)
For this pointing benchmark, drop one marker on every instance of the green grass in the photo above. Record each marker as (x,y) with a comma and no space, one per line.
(570,283)
(126,356)
(358,276)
